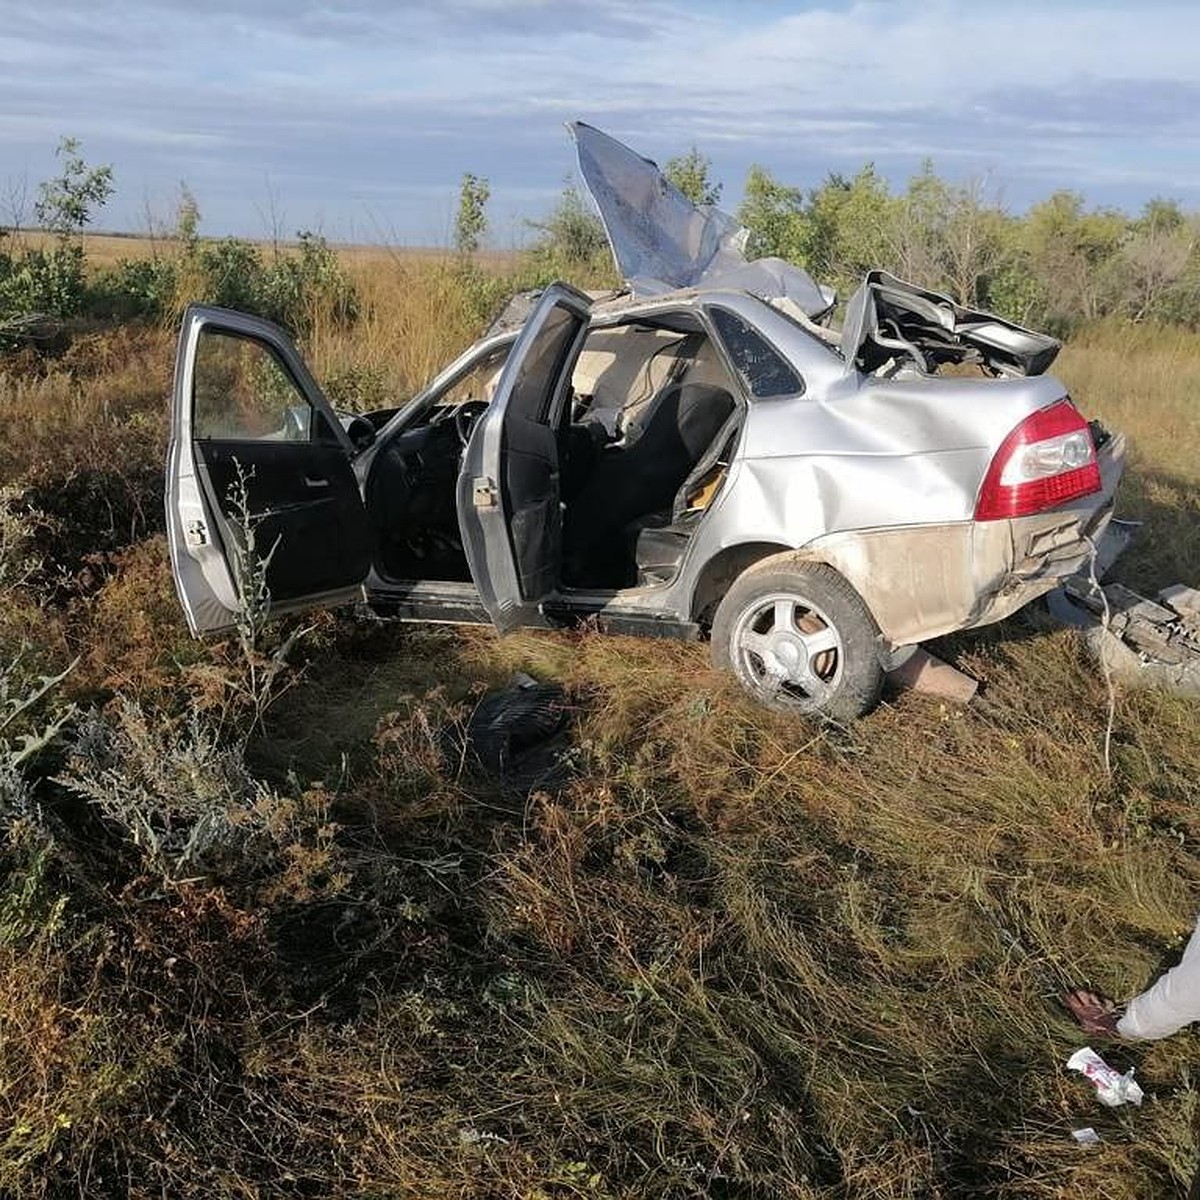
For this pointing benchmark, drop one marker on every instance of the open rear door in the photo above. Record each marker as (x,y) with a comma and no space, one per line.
(254,444)
(509,505)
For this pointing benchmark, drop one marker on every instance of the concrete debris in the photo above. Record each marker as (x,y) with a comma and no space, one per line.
(1143,642)
(923,672)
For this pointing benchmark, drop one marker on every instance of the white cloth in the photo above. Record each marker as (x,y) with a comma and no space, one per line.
(1173,1001)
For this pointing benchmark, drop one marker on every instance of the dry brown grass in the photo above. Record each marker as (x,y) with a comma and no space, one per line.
(736,955)
(106,249)
(1143,380)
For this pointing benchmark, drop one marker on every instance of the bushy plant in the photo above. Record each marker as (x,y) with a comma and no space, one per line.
(68,202)
(571,240)
(53,280)
(49,281)
(232,274)
(184,795)
(294,289)
(135,288)
(29,720)
(359,388)
(471,222)
(691,173)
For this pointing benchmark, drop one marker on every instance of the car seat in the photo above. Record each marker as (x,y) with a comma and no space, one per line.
(637,480)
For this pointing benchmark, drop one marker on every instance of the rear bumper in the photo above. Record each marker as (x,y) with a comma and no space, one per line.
(922,581)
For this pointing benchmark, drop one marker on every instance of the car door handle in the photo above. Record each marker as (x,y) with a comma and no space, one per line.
(310,482)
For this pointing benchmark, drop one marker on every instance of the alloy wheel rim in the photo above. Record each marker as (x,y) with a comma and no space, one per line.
(789,650)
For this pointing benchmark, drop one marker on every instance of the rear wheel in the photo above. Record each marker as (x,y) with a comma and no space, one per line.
(799,639)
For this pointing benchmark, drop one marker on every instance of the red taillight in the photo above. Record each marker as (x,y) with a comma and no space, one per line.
(1049,459)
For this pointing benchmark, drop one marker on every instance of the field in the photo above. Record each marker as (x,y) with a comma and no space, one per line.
(729,955)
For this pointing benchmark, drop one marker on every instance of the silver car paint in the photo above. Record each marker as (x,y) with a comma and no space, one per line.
(661,241)
(202,577)
(482,511)
(876,477)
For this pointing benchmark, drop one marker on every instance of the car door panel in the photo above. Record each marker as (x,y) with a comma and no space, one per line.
(303,501)
(535,526)
(509,496)
(255,445)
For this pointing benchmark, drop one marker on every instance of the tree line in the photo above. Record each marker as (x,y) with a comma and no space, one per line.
(1060,264)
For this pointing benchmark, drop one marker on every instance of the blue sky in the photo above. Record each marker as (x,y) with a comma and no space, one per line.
(359,118)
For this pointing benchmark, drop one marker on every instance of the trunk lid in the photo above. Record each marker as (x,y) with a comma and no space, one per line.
(888,319)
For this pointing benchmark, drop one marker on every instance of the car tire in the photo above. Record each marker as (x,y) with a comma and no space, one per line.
(799,639)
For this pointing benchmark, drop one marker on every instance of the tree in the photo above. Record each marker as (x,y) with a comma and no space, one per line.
(773,213)
(690,174)
(52,279)
(1073,255)
(856,219)
(187,217)
(1155,258)
(973,242)
(946,238)
(64,204)
(471,222)
(918,230)
(572,232)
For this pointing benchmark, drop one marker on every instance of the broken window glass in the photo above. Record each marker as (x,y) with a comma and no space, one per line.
(765,371)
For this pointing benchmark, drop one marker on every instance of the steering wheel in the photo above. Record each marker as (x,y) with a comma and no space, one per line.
(465,416)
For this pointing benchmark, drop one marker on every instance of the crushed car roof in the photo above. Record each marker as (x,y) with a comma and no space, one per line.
(662,242)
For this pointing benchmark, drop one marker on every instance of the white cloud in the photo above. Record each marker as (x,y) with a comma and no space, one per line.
(366,95)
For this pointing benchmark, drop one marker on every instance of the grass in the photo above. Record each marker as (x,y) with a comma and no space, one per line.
(734,955)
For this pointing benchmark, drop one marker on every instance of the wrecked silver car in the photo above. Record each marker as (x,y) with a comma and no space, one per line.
(698,456)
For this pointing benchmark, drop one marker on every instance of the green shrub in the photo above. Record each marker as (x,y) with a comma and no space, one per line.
(296,290)
(53,280)
(359,387)
(232,274)
(29,721)
(134,288)
(175,789)
(44,281)
(571,242)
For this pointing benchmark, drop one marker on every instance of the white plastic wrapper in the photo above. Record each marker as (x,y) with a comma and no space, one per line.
(1112,1088)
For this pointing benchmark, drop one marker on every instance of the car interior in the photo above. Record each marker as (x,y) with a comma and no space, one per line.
(643,449)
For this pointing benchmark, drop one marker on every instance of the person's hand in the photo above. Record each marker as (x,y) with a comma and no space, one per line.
(1097,1014)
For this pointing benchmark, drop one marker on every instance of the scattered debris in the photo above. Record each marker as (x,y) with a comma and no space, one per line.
(1112,1088)
(517,733)
(33,329)
(1086,1137)
(923,672)
(1142,642)
(475,1137)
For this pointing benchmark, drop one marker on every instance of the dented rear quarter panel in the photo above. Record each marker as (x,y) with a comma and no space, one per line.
(879,478)
(880,453)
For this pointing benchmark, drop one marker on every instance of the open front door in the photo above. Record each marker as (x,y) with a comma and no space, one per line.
(255,443)
(509,508)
